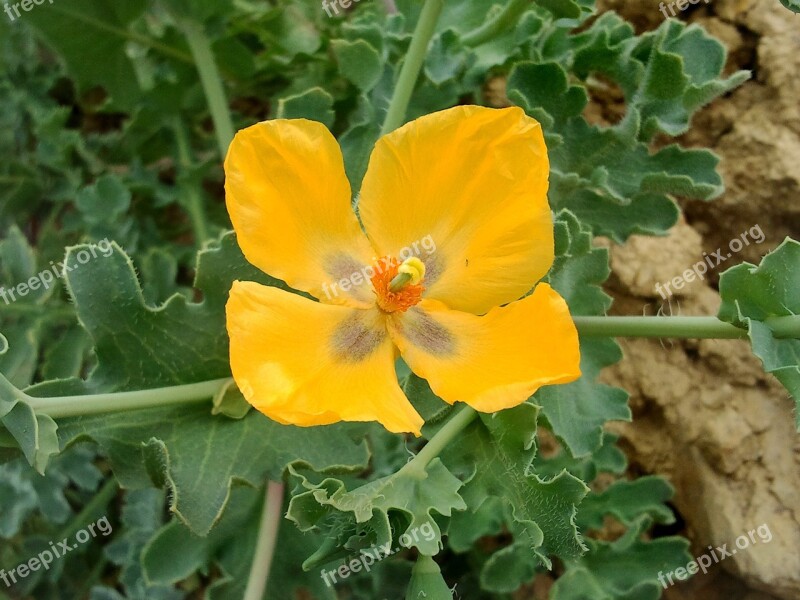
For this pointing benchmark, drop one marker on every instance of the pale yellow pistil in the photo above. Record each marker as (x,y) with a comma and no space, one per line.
(410,272)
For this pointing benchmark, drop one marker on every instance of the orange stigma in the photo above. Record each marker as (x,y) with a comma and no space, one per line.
(386,270)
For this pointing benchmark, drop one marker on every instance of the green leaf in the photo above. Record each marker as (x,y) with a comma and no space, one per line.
(106,23)
(34,434)
(608,458)
(627,501)
(616,184)
(378,513)
(675,83)
(142,515)
(174,553)
(357,142)
(569,9)
(104,200)
(65,357)
(792,5)
(494,457)
(158,347)
(429,406)
(289,31)
(159,272)
(315,104)
(23,318)
(625,569)
(577,411)
(427,581)
(359,62)
(543,90)
(579,268)
(230,402)
(198,10)
(446,59)
(751,295)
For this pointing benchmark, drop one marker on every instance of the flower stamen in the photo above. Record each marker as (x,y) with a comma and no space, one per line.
(398,286)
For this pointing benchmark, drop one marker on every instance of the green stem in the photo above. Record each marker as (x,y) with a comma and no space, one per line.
(73,406)
(437,443)
(88,581)
(190,192)
(265,544)
(655,327)
(87,515)
(679,327)
(39,310)
(412,65)
(211,80)
(502,21)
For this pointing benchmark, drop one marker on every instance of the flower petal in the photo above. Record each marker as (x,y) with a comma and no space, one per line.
(289,201)
(475,180)
(306,363)
(492,362)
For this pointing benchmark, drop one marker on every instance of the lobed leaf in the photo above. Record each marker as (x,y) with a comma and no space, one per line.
(753,294)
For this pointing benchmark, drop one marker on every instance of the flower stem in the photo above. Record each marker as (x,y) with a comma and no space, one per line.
(455,425)
(505,19)
(265,544)
(412,65)
(73,406)
(211,81)
(679,327)
(655,327)
(101,499)
(190,192)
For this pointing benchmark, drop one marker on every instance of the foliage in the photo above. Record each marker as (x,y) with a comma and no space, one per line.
(107,135)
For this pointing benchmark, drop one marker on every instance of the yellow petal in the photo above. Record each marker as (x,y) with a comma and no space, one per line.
(472,182)
(306,363)
(289,201)
(492,362)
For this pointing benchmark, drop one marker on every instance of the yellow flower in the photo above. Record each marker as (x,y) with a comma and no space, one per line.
(458,228)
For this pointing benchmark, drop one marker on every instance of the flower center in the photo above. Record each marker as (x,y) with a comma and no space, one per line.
(398,286)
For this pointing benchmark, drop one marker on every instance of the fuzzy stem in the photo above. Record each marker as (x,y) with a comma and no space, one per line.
(505,19)
(190,193)
(651,327)
(679,327)
(412,65)
(211,81)
(103,496)
(74,406)
(265,545)
(455,425)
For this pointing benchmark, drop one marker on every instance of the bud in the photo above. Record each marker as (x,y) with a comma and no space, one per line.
(427,582)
